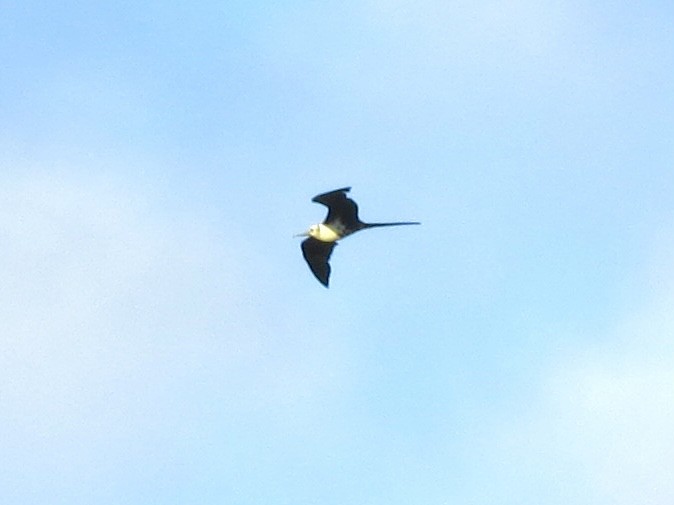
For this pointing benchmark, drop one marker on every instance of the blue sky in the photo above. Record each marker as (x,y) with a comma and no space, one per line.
(164,342)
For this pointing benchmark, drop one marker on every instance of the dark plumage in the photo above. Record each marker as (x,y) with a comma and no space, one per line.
(342,220)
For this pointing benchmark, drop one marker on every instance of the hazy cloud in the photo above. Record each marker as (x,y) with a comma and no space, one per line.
(602,422)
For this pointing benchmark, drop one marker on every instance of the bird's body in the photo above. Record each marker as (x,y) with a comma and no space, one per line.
(342,220)
(324,233)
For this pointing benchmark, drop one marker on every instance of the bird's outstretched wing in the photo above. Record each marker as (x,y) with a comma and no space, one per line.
(317,254)
(341,209)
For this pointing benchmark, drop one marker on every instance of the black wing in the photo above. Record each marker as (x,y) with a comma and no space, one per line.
(317,254)
(341,209)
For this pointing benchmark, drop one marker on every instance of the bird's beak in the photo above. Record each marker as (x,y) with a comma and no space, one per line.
(305,234)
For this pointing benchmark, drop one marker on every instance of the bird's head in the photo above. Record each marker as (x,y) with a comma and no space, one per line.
(313,231)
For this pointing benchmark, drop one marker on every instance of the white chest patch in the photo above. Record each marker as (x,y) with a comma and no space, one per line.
(325,233)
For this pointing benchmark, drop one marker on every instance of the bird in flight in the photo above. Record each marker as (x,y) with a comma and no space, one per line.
(342,220)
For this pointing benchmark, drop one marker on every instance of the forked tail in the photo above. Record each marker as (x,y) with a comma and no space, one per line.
(398,223)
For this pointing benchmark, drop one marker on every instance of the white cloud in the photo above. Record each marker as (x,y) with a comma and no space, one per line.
(601,430)
(78,258)
(527,24)
(612,416)
(142,348)
(119,318)
(473,57)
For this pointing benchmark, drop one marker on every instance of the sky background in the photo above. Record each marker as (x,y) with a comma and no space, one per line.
(162,340)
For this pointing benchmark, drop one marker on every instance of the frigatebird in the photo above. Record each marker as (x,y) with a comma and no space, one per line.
(341,221)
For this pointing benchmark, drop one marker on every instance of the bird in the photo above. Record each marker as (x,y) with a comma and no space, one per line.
(342,220)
